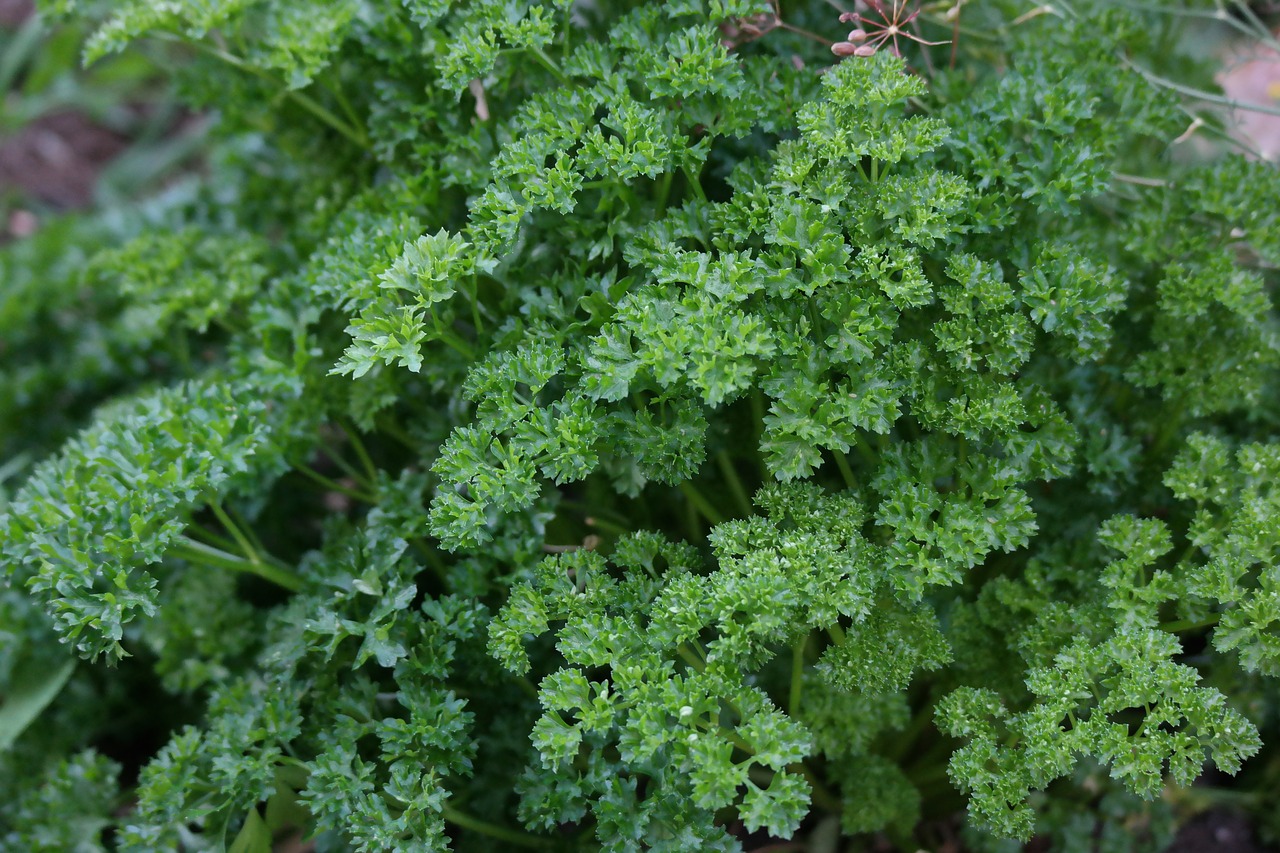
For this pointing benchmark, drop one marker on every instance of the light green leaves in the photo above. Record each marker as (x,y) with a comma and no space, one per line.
(400,316)
(292,40)
(118,497)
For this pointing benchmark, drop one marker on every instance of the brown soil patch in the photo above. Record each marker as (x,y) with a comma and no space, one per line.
(56,159)
(14,12)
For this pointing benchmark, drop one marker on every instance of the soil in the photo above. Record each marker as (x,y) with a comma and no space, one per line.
(1218,831)
(52,162)
(55,160)
(14,12)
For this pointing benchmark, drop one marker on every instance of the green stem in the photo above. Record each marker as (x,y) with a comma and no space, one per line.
(454,342)
(353,118)
(328,118)
(664,190)
(687,655)
(527,686)
(695,183)
(758,413)
(474,292)
(845,471)
(432,556)
(1200,94)
(311,106)
(198,552)
(568,31)
(502,833)
(247,529)
(595,521)
(700,503)
(346,466)
(361,453)
(836,633)
(821,795)
(333,485)
(797,678)
(597,514)
(391,427)
(904,742)
(1201,798)
(246,547)
(549,64)
(210,538)
(1177,627)
(735,482)
(692,527)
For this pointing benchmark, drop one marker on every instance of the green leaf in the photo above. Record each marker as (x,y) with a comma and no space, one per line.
(32,687)
(253,837)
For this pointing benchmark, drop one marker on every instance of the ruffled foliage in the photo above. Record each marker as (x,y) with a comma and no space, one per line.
(626,426)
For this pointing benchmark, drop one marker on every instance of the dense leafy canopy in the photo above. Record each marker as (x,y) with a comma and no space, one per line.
(628,426)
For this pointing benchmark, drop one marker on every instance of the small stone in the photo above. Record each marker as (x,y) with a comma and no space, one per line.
(23,223)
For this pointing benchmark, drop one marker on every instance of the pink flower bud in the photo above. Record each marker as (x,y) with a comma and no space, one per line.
(858,35)
(847,17)
(865,50)
(843,48)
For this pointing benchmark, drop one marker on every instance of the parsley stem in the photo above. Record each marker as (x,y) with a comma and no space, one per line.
(699,501)
(473,291)
(797,677)
(328,118)
(454,342)
(902,746)
(598,523)
(353,119)
(664,189)
(502,833)
(1199,94)
(548,63)
(194,551)
(346,466)
(432,556)
(246,547)
(568,31)
(821,795)
(842,463)
(805,33)
(333,485)
(595,516)
(304,101)
(208,537)
(687,655)
(731,477)
(247,529)
(358,446)
(695,183)
(869,457)
(1180,625)
(527,686)
(391,427)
